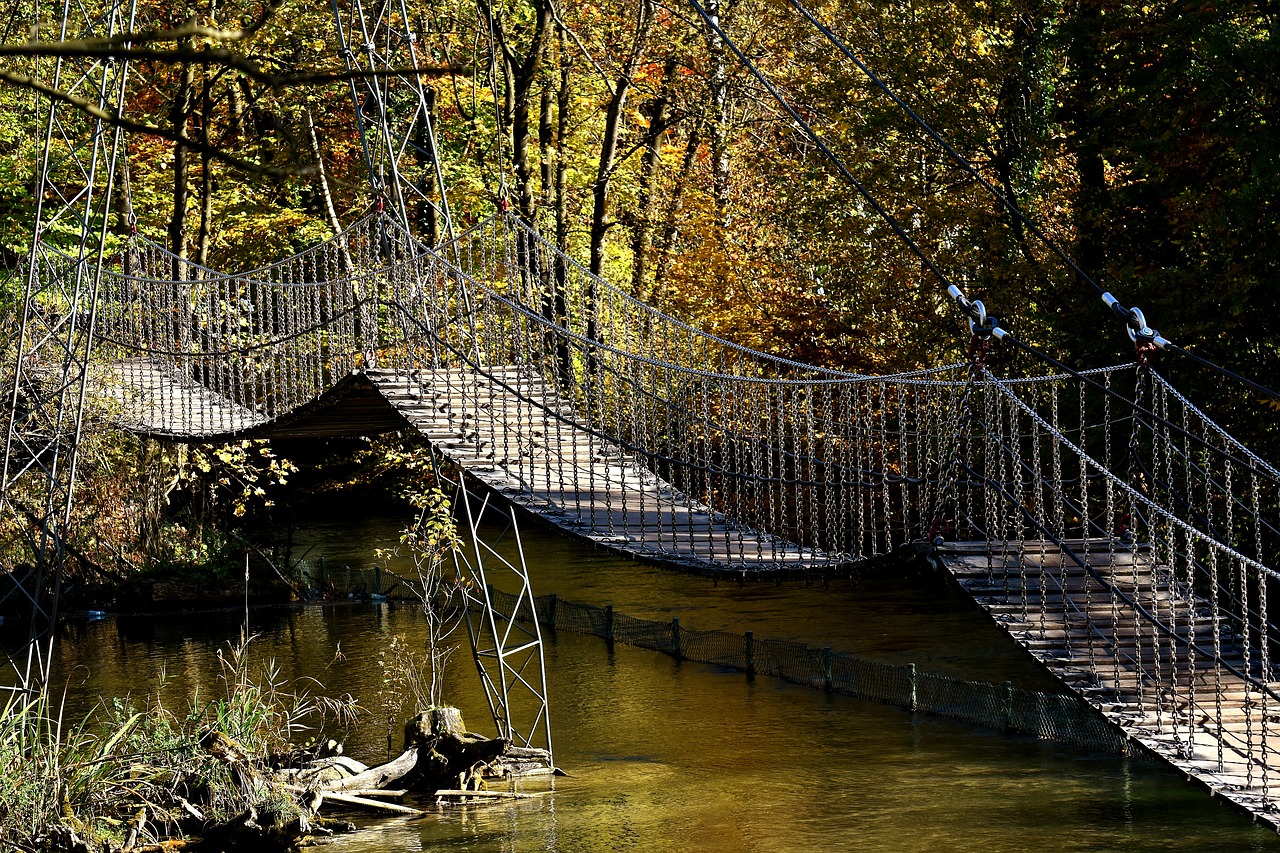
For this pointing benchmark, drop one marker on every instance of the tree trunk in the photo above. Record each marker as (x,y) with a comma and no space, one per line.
(564,362)
(204,236)
(674,204)
(428,212)
(642,232)
(446,751)
(612,132)
(1090,203)
(521,72)
(718,83)
(179,113)
(321,175)
(546,133)
(562,159)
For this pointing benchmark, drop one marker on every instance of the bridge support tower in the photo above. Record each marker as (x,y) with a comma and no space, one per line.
(79,157)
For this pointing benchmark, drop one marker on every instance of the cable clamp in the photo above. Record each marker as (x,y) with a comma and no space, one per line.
(981,324)
(1143,336)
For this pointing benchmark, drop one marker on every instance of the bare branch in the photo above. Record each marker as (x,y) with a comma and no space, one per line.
(301,78)
(218,57)
(190,29)
(555,15)
(103,49)
(94,111)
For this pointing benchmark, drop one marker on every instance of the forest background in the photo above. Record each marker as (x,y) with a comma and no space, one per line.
(1140,136)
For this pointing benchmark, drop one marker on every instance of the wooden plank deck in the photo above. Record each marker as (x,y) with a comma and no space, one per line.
(1217,727)
(507,428)
(150,398)
(515,433)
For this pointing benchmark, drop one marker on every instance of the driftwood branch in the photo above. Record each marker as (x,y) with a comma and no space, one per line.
(377,777)
(365,802)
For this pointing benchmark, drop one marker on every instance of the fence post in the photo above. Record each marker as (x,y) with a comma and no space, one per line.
(1008,706)
(608,623)
(911,676)
(675,636)
(551,611)
(377,580)
(826,668)
(751,654)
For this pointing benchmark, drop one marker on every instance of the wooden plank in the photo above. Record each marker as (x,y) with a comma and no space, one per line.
(571,478)
(1102,649)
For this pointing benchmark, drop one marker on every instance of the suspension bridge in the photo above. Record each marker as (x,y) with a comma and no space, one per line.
(1103,520)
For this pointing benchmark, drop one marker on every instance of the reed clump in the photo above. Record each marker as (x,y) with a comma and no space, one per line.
(131,776)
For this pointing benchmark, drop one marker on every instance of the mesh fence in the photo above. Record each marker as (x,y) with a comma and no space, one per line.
(318,579)
(1048,716)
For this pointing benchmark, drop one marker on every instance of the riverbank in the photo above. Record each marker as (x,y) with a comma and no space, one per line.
(658,749)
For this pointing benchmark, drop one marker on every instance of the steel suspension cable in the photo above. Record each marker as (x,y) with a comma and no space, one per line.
(1083,376)
(968,166)
(817,140)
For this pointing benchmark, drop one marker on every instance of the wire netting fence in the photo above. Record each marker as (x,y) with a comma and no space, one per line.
(320,579)
(1058,717)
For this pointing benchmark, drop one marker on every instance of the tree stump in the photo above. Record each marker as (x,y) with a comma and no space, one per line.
(448,755)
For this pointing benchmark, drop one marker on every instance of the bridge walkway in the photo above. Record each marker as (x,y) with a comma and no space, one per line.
(507,428)
(1083,626)
(516,433)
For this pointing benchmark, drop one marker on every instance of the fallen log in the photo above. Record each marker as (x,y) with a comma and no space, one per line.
(378,777)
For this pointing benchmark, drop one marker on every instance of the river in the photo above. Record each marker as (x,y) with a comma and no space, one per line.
(668,756)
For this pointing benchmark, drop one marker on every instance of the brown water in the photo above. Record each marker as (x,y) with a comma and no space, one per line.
(684,757)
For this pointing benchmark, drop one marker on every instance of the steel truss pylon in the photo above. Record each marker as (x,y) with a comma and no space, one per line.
(77,161)
(393,112)
(507,646)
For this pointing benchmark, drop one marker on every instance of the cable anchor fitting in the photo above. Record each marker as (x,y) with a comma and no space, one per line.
(1145,338)
(982,325)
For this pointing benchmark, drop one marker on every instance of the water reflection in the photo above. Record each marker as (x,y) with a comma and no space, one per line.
(676,756)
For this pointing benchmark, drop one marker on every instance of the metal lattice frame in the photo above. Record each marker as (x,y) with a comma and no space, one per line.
(76,164)
(507,646)
(393,111)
